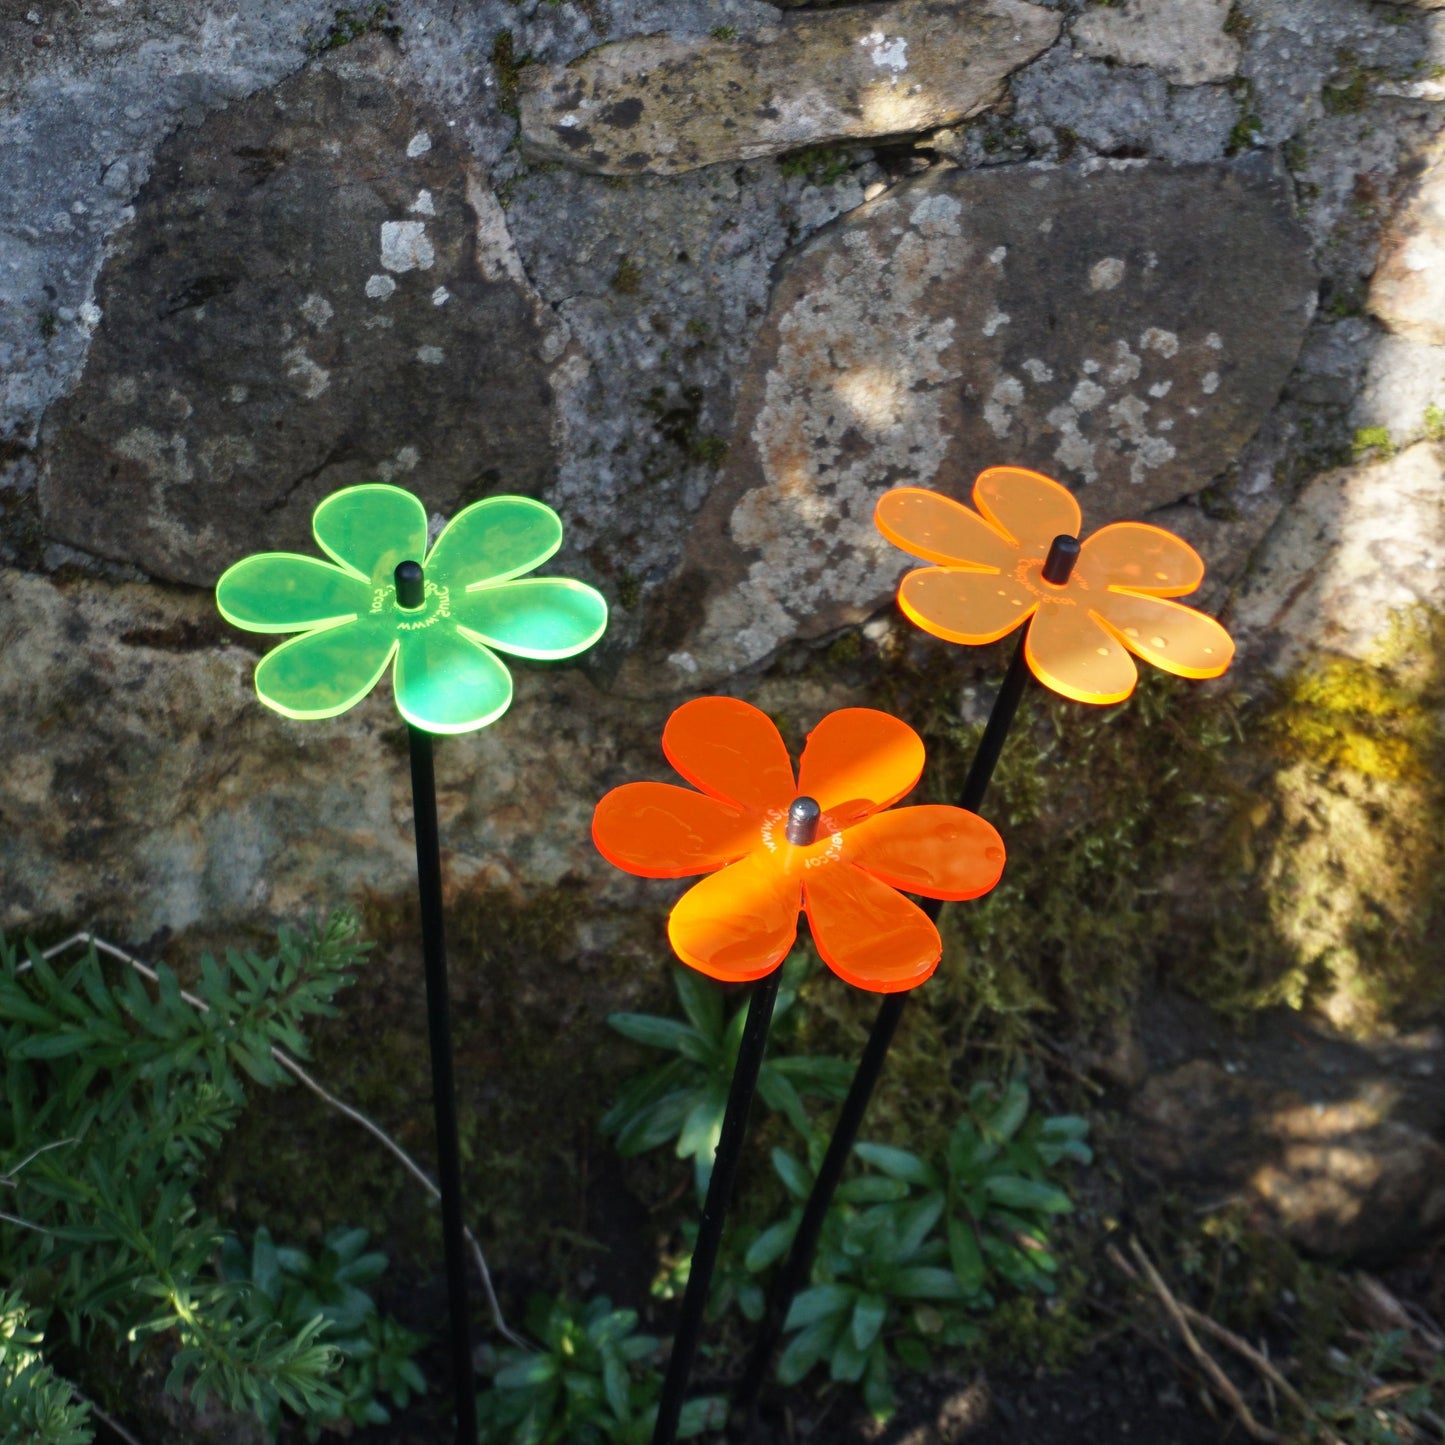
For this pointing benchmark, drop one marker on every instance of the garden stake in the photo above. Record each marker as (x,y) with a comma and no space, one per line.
(719,1195)
(410,594)
(437,624)
(799,1264)
(801,830)
(826,840)
(1085,606)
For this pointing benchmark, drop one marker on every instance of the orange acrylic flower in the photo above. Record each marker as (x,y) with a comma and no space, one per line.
(1082,631)
(740,922)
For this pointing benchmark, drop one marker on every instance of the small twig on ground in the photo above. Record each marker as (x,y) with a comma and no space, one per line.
(109,1421)
(294,1068)
(1223,1385)
(1261,1361)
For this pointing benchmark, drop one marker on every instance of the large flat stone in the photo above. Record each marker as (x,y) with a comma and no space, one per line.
(663,104)
(1123,327)
(313,293)
(1184,40)
(1405,292)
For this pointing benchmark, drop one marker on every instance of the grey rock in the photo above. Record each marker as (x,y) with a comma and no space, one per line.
(1405,292)
(668,104)
(1124,327)
(1333,360)
(1359,549)
(1403,391)
(316,291)
(1123,110)
(145,785)
(1182,40)
(79,119)
(1340,1176)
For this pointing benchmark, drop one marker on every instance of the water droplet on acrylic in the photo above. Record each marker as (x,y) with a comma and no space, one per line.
(1102,651)
(1131,632)
(1162,576)
(1209,652)
(1159,641)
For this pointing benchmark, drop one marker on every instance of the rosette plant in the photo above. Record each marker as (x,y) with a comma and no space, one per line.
(1088,609)
(437,617)
(825,840)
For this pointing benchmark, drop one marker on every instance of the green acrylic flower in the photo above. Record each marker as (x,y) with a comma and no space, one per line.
(448,678)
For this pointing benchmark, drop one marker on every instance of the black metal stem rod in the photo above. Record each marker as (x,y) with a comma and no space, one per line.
(799,1264)
(444,1099)
(719,1193)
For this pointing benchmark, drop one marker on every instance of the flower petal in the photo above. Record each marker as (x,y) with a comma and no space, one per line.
(659,830)
(446,683)
(1032,508)
(938,851)
(738,924)
(1141,558)
(493,540)
(858,760)
(969,607)
(321,674)
(731,751)
(869,934)
(1069,649)
(1168,634)
(541,617)
(369,529)
(286,592)
(938,529)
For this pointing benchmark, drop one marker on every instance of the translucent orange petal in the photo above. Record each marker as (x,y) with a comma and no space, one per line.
(738,924)
(869,934)
(858,760)
(1032,508)
(937,851)
(1141,558)
(659,830)
(731,751)
(1070,650)
(938,529)
(1168,634)
(969,607)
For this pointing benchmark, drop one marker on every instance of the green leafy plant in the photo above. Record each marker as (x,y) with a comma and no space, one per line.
(114,1096)
(910,1250)
(1372,1408)
(36,1406)
(594,1380)
(290,1289)
(685,1098)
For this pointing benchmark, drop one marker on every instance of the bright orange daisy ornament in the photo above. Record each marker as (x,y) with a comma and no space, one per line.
(991,578)
(824,842)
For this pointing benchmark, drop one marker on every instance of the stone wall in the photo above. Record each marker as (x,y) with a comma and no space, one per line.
(708,276)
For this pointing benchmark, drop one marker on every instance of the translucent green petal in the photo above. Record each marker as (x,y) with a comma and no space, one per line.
(369,529)
(542,617)
(285,592)
(320,674)
(445,683)
(492,540)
